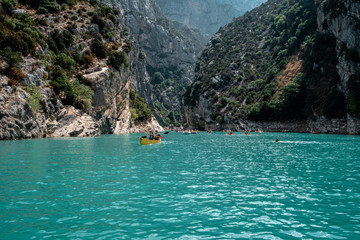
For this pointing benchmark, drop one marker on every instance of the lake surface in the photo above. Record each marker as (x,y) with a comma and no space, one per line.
(203,186)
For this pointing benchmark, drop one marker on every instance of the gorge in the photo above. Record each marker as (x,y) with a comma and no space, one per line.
(69,68)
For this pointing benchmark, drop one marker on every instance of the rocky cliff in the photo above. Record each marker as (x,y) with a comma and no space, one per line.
(66,71)
(285,65)
(341,19)
(208,16)
(169,53)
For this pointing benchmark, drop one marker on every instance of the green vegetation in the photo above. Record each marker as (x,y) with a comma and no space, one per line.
(139,110)
(76,93)
(118,60)
(20,36)
(168,80)
(99,48)
(35,98)
(244,70)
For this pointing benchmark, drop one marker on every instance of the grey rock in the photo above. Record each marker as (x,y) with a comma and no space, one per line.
(17,119)
(18,11)
(72,122)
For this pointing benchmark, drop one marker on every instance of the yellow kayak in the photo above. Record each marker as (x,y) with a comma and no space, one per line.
(144,141)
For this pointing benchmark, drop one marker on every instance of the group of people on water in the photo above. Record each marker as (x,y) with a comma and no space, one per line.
(155,136)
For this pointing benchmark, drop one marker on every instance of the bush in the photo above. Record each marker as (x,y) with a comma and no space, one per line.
(57,72)
(157,78)
(99,48)
(61,40)
(23,42)
(118,60)
(35,98)
(60,84)
(77,94)
(64,61)
(8,5)
(12,58)
(80,95)
(42,10)
(134,115)
(15,74)
(51,6)
(96,19)
(140,109)
(88,57)
(286,103)
(78,57)
(127,47)
(260,111)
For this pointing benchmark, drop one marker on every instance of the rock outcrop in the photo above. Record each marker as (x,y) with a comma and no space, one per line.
(71,122)
(31,108)
(342,20)
(17,119)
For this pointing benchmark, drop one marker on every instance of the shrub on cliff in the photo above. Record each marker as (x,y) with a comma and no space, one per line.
(57,72)
(59,41)
(7,5)
(34,99)
(51,5)
(65,61)
(13,58)
(157,78)
(99,48)
(76,93)
(80,95)
(118,60)
(139,109)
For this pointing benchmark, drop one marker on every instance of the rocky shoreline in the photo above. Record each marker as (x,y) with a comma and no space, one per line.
(19,121)
(321,125)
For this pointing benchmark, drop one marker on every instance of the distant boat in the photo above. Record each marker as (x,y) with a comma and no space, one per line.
(315,132)
(246,133)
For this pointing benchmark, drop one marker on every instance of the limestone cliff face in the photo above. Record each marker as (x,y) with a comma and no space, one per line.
(342,20)
(167,49)
(208,16)
(31,109)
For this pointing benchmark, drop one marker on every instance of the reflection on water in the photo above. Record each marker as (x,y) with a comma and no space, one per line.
(188,187)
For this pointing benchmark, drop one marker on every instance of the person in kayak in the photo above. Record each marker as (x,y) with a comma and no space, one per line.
(158,135)
(151,135)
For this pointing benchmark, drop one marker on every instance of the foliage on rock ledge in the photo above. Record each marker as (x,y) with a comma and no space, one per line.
(53,33)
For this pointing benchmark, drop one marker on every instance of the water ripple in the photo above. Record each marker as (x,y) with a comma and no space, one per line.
(204,186)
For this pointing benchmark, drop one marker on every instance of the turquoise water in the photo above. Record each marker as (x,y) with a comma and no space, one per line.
(203,186)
